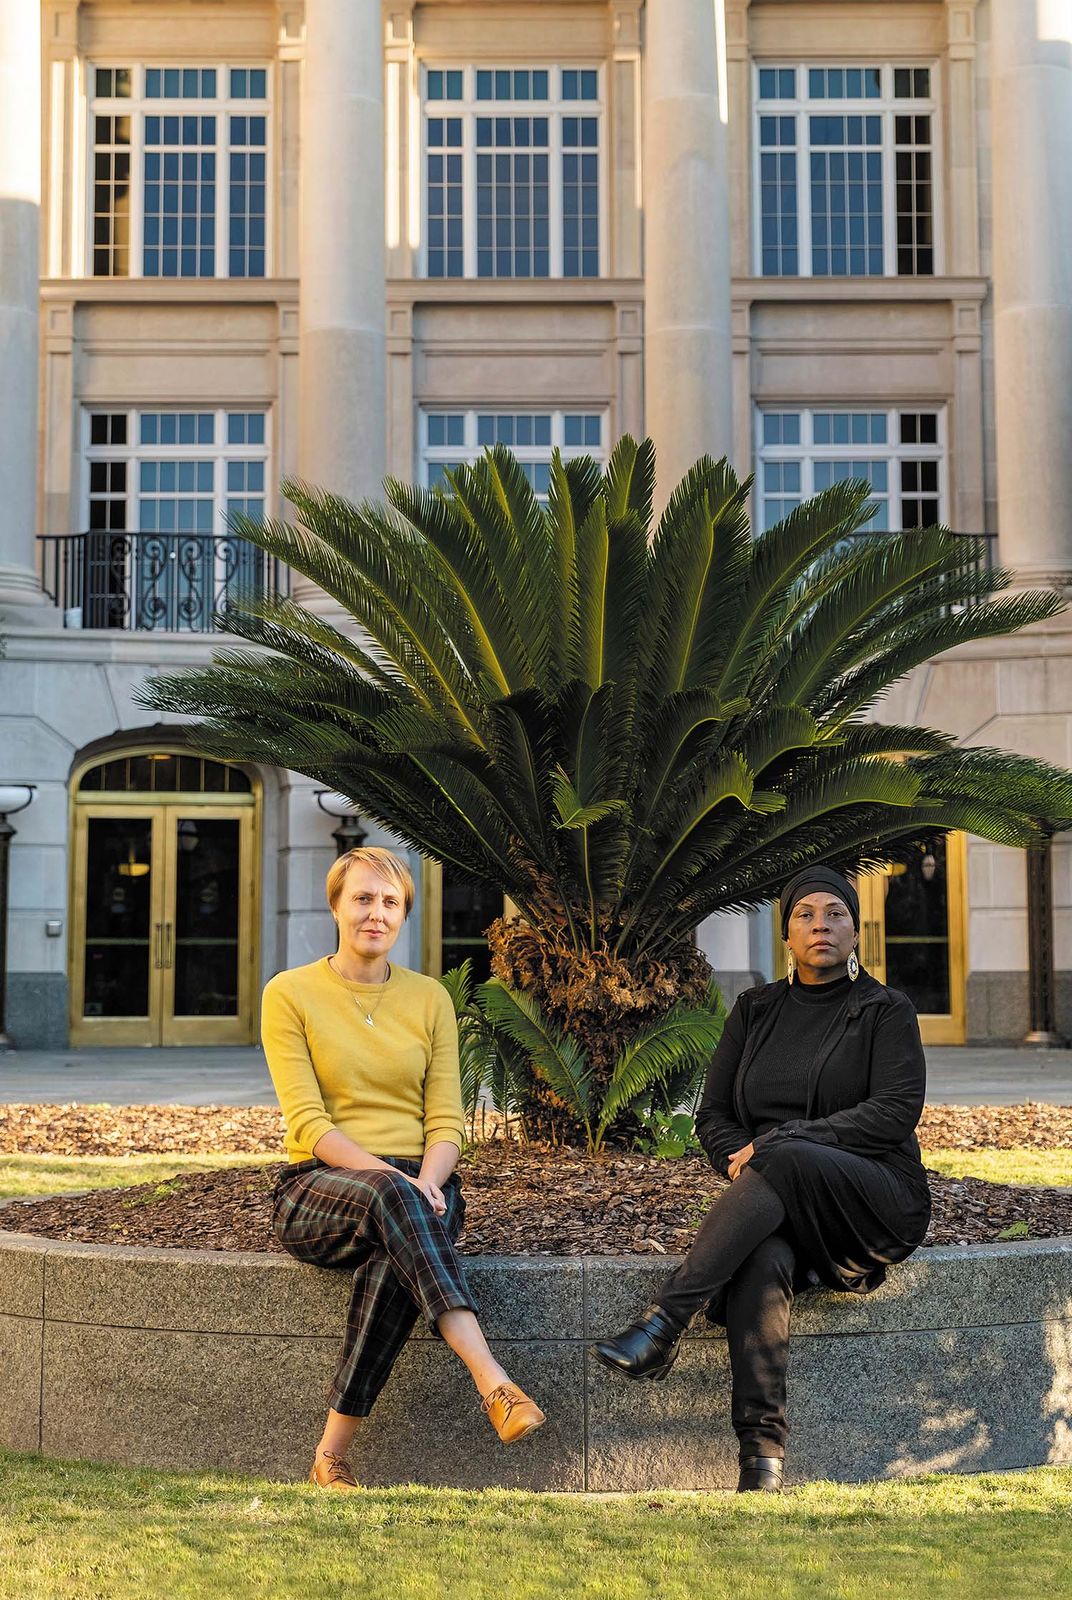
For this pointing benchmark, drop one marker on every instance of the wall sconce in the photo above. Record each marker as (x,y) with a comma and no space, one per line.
(349,835)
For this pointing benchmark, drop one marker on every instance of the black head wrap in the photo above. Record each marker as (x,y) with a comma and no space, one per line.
(813,880)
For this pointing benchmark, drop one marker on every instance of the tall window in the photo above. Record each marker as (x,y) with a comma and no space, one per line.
(845,171)
(161,486)
(179,172)
(512,172)
(899,453)
(451,438)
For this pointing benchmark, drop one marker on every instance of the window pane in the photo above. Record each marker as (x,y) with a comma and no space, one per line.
(845,166)
(580,198)
(118,911)
(513,197)
(248,190)
(111,196)
(491,214)
(180,196)
(248,83)
(444,198)
(850,183)
(528,433)
(778,196)
(914,196)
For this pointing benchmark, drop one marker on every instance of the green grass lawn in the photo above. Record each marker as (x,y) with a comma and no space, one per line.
(1004,1166)
(94,1533)
(33,1175)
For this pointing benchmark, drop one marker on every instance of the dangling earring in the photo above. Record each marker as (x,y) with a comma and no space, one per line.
(853,966)
(790,966)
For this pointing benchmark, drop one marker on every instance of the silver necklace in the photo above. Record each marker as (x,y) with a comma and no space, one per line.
(369,1014)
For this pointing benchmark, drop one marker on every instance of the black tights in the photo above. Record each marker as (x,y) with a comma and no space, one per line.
(739,1249)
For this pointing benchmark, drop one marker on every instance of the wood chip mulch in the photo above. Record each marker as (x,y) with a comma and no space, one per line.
(79,1130)
(521,1201)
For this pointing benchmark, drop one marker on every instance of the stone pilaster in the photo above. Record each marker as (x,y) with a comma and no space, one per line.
(290,51)
(403,176)
(962,249)
(61,142)
(625,118)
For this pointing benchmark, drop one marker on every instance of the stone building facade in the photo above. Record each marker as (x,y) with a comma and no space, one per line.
(337,239)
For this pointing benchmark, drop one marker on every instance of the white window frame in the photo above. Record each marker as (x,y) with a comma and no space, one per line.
(134,452)
(137,106)
(471,451)
(468,108)
(893,451)
(884,106)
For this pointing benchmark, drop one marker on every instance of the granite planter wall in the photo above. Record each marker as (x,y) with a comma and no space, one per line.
(962,1362)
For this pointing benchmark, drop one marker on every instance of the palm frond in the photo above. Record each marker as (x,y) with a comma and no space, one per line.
(648,725)
(682,1040)
(556,1058)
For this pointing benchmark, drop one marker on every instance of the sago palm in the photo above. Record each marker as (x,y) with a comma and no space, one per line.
(625,727)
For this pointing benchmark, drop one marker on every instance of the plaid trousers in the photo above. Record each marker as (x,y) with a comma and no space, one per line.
(401,1253)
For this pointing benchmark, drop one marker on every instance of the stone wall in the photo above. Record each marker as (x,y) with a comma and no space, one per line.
(196,1359)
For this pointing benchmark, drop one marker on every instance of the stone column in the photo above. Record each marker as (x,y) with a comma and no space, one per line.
(687,340)
(1031,52)
(20,215)
(342,430)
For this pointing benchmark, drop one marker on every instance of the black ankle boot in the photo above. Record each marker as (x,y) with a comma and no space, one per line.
(646,1349)
(762,1473)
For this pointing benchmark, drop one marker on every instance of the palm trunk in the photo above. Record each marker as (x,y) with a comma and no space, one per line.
(600,1000)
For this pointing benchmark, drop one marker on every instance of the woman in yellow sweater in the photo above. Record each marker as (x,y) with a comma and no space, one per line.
(364,1058)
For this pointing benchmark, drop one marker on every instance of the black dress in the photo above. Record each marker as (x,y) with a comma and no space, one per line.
(849,1063)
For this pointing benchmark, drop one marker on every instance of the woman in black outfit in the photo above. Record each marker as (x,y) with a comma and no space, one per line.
(809,1108)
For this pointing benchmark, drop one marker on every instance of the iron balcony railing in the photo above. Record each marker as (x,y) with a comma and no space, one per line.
(180,582)
(154,582)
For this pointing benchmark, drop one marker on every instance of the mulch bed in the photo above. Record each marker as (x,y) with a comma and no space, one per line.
(258,1130)
(528,1200)
(78,1130)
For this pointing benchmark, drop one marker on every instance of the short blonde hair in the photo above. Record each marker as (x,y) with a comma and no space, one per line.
(385,862)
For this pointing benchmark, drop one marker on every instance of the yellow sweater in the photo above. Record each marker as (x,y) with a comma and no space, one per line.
(393,1088)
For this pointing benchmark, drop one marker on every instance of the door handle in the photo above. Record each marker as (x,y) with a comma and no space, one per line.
(169,944)
(158,945)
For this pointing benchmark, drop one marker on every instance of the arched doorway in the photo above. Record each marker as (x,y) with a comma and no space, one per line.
(163,900)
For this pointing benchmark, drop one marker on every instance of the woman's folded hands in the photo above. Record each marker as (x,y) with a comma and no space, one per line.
(739,1160)
(431,1192)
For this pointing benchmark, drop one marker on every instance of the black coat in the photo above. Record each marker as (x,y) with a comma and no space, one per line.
(849,1172)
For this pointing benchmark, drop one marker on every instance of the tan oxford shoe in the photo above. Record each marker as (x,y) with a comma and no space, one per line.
(511,1413)
(332,1472)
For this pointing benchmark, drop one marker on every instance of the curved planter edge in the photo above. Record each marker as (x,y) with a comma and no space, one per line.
(220,1360)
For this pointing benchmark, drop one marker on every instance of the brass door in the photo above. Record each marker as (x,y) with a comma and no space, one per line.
(912,933)
(455,913)
(163,945)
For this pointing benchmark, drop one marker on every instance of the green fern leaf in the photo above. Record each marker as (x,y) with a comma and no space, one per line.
(685,1038)
(559,1060)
